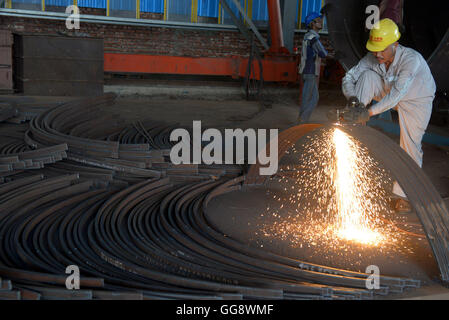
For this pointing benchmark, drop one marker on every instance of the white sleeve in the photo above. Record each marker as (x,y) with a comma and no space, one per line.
(400,87)
(352,76)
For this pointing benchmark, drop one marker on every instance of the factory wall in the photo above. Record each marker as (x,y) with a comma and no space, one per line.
(147,40)
(192,11)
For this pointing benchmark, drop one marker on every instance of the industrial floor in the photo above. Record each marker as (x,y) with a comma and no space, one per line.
(281,112)
(239,215)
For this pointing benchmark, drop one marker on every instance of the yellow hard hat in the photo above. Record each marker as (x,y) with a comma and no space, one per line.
(384,33)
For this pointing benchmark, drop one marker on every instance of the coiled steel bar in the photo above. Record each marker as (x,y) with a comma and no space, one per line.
(149,240)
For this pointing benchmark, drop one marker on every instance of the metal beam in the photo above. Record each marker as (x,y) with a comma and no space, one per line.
(274,70)
(240,25)
(288,11)
(277,38)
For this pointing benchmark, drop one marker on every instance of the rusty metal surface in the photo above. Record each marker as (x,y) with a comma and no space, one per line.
(427,202)
(6,38)
(134,233)
(6,76)
(6,82)
(275,69)
(76,65)
(286,139)
(152,239)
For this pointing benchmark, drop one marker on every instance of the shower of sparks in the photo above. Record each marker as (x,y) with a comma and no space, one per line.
(354,218)
(333,199)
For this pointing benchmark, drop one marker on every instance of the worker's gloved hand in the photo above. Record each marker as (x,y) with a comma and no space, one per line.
(357,115)
(353,101)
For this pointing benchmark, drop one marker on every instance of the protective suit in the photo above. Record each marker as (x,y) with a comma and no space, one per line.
(408,86)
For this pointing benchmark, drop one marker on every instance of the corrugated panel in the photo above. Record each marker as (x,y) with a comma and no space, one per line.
(226,18)
(208,8)
(100,4)
(156,6)
(260,10)
(60,3)
(122,5)
(309,6)
(177,8)
(180,7)
(25,2)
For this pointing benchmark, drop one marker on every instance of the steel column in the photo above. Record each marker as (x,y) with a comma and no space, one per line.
(288,22)
(277,38)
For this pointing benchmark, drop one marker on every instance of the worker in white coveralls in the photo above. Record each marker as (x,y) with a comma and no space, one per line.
(311,54)
(393,76)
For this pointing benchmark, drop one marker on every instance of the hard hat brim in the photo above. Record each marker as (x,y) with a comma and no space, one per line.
(375,48)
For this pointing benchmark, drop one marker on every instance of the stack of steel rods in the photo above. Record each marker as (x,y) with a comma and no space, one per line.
(7,111)
(22,108)
(7,292)
(32,159)
(100,146)
(26,112)
(427,202)
(151,240)
(135,224)
(95,139)
(16,156)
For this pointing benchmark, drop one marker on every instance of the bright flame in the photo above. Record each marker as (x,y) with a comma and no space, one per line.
(352,222)
(333,199)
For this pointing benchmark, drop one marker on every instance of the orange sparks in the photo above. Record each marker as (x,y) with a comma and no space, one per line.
(353,222)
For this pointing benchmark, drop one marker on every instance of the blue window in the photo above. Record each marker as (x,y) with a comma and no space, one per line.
(177,10)
(208,8)
(99,4)
(260,10)
(156,6)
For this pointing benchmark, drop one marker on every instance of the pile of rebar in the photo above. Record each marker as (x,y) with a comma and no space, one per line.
(151,240)
(7,111)
(424,198)
(16,156)
(100,145)
(134,223)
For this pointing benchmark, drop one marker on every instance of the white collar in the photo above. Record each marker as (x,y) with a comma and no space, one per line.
(314,32)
